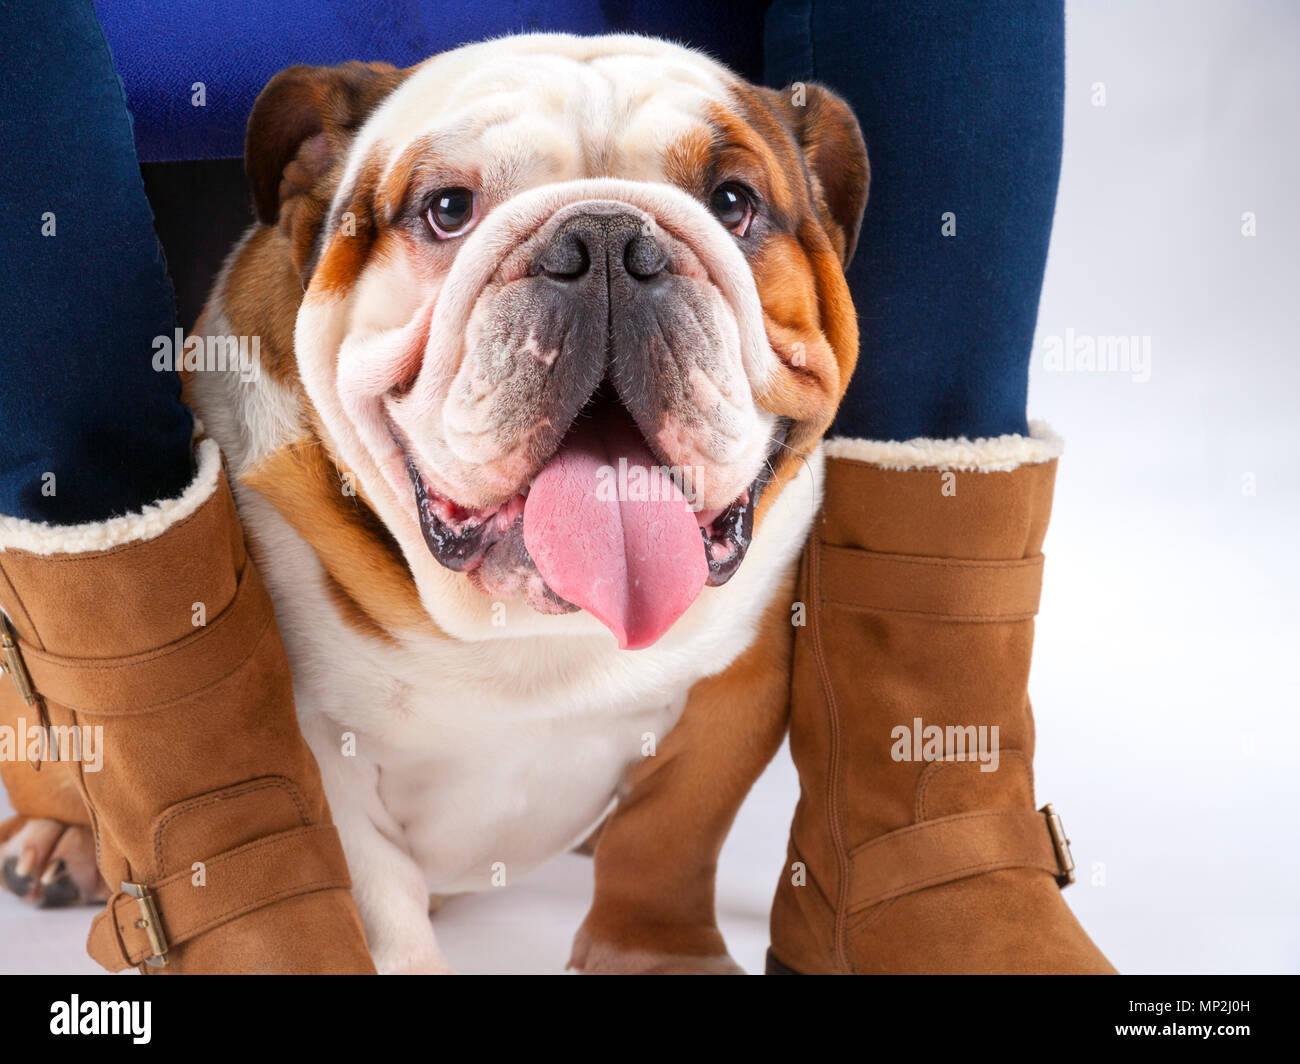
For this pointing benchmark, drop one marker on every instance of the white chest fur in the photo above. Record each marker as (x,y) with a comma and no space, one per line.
(489,757)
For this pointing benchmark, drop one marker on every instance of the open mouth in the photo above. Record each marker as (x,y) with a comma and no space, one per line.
(603,526)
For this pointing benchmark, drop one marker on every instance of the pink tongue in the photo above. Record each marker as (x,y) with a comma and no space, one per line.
(635,563)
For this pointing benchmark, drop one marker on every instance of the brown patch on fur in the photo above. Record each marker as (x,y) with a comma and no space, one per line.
(356,548)
(807,312)
(828,149)
(404,174)
(261,296)
(806,140)
(728,148)
(761,157)
(808,167)
(811,325)
(298,136)
(658,850)
(688,161)
(347,253)
(354,614)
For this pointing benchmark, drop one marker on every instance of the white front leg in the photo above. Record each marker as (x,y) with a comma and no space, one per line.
(388,886)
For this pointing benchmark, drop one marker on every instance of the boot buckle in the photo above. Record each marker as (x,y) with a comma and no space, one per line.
(149,923)
(1061,844)
(13,661)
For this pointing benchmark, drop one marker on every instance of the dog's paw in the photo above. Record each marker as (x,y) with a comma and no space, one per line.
(50,864)
(683,951)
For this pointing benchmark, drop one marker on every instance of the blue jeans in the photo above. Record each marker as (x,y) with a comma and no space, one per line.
(87,428)
(960,105)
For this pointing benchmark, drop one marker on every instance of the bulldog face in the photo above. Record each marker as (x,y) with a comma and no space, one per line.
(573,305)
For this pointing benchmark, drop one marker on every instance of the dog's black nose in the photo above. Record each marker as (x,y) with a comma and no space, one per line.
(605,243)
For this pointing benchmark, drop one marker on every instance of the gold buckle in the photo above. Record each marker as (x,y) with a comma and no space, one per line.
(1064,859)
(149,923)
(14,664)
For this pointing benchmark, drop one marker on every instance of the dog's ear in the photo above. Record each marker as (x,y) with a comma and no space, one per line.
(835,154)
(300,128)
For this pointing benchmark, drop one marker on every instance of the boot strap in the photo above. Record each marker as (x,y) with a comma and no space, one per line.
(955,847)
(143,921)
(950,588)
(149,681)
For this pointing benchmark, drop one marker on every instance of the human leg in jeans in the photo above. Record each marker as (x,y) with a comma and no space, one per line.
(136,628)
(917,845)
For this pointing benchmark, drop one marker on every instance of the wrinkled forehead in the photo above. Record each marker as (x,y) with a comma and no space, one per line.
(523,111)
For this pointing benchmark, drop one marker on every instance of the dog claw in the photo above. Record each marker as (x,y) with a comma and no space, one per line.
(54,871)
(61,893)
(18,884)
(50,864)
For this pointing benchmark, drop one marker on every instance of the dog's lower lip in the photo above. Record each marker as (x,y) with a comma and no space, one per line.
(458,537)
(727,536)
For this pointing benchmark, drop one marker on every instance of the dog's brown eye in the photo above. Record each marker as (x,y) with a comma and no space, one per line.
(451,212)
(732,206)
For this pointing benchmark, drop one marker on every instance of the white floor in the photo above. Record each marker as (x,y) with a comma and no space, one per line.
(1165,679)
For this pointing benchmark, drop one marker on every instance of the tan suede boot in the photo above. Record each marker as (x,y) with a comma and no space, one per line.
(155,632)
(916,846)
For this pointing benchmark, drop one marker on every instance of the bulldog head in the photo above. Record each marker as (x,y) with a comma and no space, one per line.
(573,306)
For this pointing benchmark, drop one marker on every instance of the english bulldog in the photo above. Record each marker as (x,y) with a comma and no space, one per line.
(549,329)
